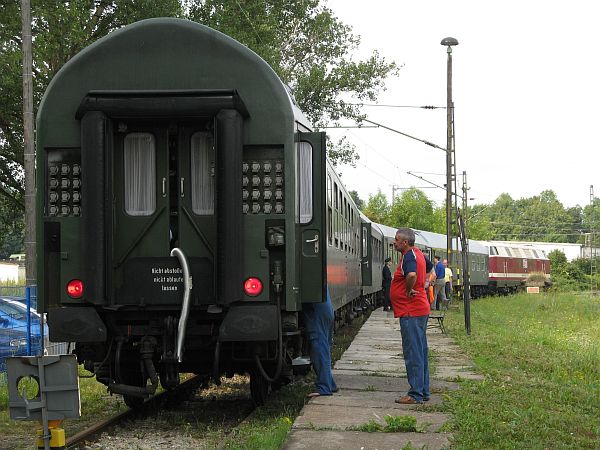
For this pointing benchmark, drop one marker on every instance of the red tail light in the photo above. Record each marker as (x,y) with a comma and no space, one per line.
(75,288)
(253,287)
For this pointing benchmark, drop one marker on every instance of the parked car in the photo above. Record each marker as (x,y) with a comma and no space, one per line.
(13,328)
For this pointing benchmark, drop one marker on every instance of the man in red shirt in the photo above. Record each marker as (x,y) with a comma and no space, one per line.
(410,304)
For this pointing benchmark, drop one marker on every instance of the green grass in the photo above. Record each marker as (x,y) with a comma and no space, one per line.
(371,426)
(540,355)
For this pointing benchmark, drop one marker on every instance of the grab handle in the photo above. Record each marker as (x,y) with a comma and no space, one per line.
(185,307)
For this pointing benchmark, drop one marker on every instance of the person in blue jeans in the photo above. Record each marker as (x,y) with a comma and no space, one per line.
(411,306)
(439,288)
(318,320)
(415,350)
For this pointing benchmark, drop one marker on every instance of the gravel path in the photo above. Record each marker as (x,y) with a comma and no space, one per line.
(198,423)
(149,434)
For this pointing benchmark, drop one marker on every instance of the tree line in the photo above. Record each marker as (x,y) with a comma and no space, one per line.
(541,218)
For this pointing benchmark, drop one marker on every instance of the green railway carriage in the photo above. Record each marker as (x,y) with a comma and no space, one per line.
(372,259)
(344,276)
(478,269)
(182,211)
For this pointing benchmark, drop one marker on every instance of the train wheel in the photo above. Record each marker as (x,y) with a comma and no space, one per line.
(259,387)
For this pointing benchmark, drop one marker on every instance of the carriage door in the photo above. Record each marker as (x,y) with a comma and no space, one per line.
(193,188)
(311,166)
(140,235)
(164,198)
(366,256)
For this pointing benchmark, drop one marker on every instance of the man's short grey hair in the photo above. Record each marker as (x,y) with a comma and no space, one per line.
(407,234)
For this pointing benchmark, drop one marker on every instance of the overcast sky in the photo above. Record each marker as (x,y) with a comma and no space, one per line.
(526,77)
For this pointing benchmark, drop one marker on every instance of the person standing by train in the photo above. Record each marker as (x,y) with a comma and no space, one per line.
(318,320)
(386,282)
(439,288)
(448,279)
(410,305)
(429,282)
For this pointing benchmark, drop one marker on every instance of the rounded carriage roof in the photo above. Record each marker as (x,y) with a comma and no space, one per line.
(168,54)
(436,240)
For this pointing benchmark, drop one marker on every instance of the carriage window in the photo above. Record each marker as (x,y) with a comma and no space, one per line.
(336,196)
(306,181)
(329,225)
(140,174)
(203,179)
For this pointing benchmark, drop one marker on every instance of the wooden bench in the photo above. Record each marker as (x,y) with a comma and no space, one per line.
(438,316)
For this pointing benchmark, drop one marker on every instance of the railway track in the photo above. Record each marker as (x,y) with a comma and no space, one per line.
(155,403)
(198,416)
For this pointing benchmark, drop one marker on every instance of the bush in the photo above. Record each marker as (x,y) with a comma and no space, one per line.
(536,279)
(571,276)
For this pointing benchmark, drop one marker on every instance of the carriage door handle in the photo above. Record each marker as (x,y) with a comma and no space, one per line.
(181,186)
(316,241)
(164,187)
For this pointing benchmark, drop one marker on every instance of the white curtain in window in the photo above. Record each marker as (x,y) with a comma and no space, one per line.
(203,180)
(305,163)
(140,174)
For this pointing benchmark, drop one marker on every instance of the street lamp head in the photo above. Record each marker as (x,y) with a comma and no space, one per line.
(449,41)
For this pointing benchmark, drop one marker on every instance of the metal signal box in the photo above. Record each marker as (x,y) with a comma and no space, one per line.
(39,385)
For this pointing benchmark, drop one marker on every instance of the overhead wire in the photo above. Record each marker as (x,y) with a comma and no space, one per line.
(537,234)
(374,149)
(397,106)
(392,163)
(375,172)
(536,225)
(249,20)
(533,227)
(359,119)
(429,173)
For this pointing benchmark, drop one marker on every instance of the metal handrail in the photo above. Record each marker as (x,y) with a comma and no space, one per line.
(185,307)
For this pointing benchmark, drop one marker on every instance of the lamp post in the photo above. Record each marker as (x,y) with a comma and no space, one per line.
(449,42)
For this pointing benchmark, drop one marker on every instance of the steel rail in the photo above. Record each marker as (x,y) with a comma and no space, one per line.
(156,400)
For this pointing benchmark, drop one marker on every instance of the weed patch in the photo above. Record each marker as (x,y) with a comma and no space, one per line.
(400,424)
(393,424)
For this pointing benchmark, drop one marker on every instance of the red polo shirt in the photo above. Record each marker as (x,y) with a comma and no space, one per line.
(412,260)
